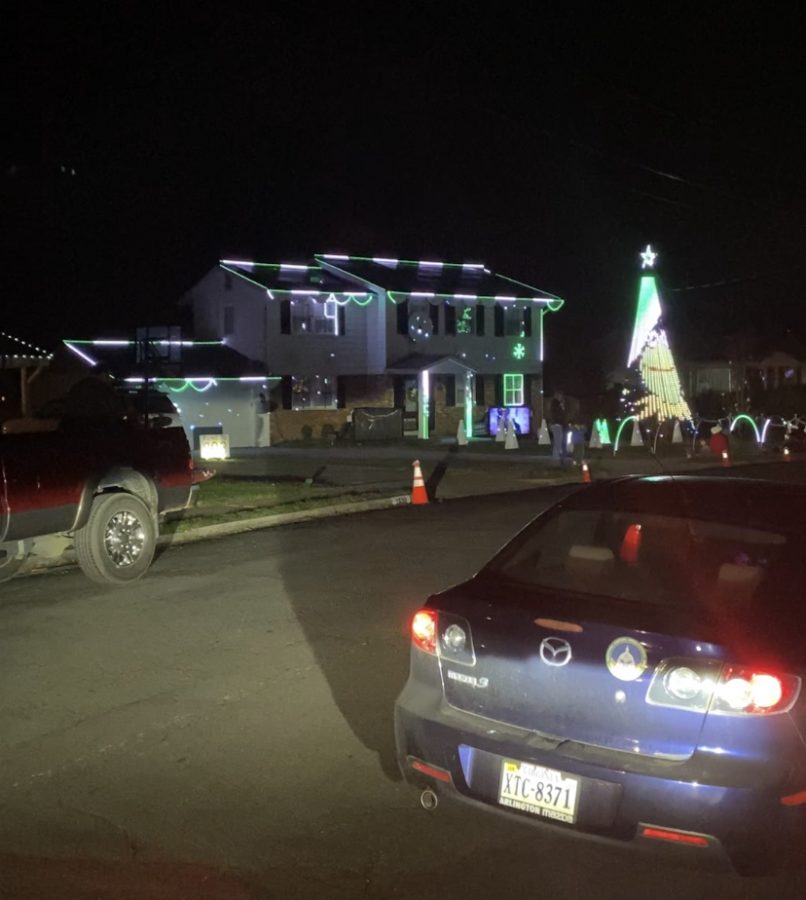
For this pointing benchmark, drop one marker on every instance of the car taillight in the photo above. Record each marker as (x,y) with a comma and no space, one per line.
(710,686)
(745,691)
(424,630)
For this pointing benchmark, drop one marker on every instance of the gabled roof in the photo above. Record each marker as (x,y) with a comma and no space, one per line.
(168,359)
(293,278)
(403,278)
(16,353)
(422,362)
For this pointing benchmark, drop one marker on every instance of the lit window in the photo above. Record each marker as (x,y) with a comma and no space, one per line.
(513,390)
(311,317)
(513,321)
(313,392)
(465,319)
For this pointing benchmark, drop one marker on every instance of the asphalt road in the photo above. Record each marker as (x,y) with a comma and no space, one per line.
(223,729)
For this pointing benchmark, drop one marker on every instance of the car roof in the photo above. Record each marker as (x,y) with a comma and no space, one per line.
(749,501)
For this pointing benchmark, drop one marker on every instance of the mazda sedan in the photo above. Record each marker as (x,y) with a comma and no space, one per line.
(628,669)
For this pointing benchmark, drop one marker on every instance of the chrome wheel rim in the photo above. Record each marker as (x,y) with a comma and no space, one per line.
(124,539)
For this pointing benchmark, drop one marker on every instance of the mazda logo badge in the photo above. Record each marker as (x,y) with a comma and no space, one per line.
(555,651)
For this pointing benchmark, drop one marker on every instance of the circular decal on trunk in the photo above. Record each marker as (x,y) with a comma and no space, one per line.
(626,659)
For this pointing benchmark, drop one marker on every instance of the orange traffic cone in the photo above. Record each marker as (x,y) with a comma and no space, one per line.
(419,495)
(726,459)
(586,473)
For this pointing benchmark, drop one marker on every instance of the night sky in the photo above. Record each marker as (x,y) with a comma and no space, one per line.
(550,146)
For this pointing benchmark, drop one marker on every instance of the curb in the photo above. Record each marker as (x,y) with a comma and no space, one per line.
(258,523)
(206,532)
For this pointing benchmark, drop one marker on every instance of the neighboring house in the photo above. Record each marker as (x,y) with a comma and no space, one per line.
(442,342)
(27,362)
(746,376)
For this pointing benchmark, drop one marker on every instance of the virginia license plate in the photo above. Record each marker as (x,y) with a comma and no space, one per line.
(538,790)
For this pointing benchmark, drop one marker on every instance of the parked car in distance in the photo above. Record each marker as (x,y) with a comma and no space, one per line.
(628,669)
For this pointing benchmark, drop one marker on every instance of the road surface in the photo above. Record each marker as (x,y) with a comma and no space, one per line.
(224,729)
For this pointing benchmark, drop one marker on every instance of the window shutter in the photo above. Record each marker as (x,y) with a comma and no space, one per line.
(403,317)
(527,321)
(285,321)
(341,393)
(499,390)
(480,314)
(527,390)
(499,320)
(450,390)
(400,391)
(450,319)
(480,391)
(285,389)
(434,310)
(341,313)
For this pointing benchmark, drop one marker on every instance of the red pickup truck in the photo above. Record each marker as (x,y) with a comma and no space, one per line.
(105,483)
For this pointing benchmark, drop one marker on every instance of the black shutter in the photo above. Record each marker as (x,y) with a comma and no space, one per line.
(341,392)
(450,319)
(480,319)
(400,391)
(403,317)
(527,322)
(285,390)
(434,310)
(341,314)
(480,391)
(285,321)
(527,390)
(499,320)
(450,390)
(499,390)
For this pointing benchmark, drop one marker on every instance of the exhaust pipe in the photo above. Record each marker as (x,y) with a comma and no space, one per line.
(429,800)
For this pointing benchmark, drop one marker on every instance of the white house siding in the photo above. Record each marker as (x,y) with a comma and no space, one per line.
(210,297)
(232,407)
(485,353)
(352,353)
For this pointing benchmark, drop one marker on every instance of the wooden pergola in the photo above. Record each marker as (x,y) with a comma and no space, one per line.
(26,358)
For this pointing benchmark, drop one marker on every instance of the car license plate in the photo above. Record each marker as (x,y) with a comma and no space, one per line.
(538,790)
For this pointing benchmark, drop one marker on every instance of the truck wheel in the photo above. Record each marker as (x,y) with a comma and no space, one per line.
(117,544)
(12,556)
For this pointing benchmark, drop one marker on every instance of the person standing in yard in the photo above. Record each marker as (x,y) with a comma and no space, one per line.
(718,442)
(578,443)
(557,423)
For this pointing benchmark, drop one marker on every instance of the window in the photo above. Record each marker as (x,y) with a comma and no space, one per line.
(229,320)
(311,317)
(513,390)
(313,392)
(465,320)
(661,560)
(513,322)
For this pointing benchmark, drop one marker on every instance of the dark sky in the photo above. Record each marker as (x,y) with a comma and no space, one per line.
(552,146)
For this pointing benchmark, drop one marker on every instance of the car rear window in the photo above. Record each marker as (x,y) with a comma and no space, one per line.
(654,559)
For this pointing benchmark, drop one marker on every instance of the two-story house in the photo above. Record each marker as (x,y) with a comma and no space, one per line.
(443,342)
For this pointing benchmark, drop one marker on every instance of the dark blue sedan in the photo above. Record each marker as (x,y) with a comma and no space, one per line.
(628,668)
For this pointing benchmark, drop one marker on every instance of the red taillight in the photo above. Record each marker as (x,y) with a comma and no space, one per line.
(674,837)
(424,630)
(631,545)
(744,691)
(431,771)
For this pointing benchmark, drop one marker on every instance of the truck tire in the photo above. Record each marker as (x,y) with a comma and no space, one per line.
(12,556)
(117,544)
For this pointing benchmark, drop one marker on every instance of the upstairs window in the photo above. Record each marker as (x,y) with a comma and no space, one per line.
(309,316)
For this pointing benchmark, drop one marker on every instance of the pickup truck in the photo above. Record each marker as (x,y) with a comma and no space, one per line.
(106,484)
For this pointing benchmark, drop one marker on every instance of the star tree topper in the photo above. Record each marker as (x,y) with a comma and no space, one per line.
(648,258)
